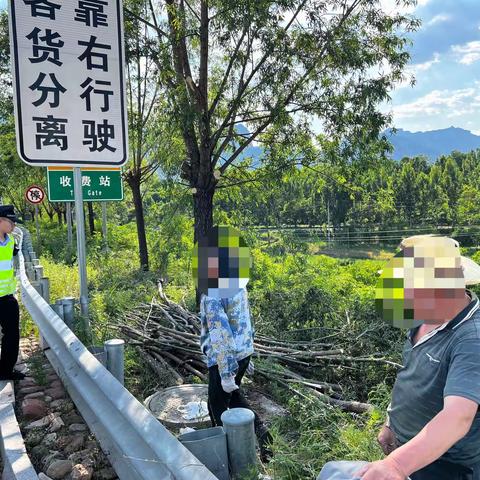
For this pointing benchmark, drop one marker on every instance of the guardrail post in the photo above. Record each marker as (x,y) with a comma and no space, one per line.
(44,291)
(38,272)
(37,286)
(238,425)
(45,283)
(68,311)
(31,273)
(115,352)
(58,308)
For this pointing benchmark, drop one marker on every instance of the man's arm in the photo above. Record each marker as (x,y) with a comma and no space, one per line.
(442,432)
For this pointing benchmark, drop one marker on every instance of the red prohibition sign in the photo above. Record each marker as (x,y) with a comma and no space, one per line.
(34,194)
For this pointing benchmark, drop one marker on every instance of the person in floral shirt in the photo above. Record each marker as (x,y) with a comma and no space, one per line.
(221,265)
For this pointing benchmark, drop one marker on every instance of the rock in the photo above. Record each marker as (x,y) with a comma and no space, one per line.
(47,399)
(77,427)
(34,395)
(57,424)
(75,444)
(55,392)
(39,451)
(43,422)
(59,468)
(81,472)
(56,403)
(33,408)
(72,418)
(32,389)
(49,439)
(67,406)
(33,438)
(84,457)
(51,457)
(27,382)
(56,383)
(107,473)
(21,367)
(42,476)
(63,441)
(92,445)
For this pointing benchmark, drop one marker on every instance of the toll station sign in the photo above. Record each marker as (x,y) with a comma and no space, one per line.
(98,185)
(68,70)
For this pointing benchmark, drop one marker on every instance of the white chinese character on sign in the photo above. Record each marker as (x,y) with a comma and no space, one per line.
(104,181)
(86,181)
(65,181)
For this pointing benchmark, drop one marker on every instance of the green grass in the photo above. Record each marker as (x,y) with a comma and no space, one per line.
(37,371)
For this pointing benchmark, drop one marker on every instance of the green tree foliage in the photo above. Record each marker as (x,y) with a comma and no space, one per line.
(269,66)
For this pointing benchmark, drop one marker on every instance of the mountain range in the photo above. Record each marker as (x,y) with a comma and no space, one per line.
(433,143)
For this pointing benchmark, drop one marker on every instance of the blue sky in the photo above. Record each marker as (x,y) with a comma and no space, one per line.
(446,65)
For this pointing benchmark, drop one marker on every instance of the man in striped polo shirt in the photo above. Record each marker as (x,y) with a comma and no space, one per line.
(9,310)
(433,426)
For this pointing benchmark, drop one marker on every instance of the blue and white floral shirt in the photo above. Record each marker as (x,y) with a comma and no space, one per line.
(227,332)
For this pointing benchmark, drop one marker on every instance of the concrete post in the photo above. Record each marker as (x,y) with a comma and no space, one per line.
(35,261)
(68,311)
(238,425)
(115,352)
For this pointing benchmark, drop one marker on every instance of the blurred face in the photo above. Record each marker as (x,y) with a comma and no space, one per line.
(434,306)
(6,225)
(221,263)
(421,284)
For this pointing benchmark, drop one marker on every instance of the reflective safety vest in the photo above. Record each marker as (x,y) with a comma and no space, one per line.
(7,273)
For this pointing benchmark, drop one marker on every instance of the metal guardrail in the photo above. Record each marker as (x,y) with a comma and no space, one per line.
(16,464)
(138,446)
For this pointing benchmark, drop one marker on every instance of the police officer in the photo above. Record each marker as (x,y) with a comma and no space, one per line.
(9,310)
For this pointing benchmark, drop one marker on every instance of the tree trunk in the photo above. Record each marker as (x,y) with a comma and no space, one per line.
(203,211)
(91,218)
(134,184)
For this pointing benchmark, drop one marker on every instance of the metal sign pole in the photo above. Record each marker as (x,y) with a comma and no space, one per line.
(69,225)
(37,227)
(81,248)
(104,224)
(68,207)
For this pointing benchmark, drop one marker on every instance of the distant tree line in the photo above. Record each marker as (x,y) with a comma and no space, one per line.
(376,192)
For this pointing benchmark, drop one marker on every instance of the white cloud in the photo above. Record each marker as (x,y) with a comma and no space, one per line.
(437,19)
(467,53)
(390,6)
(423,67)
(444,103)
(415,70)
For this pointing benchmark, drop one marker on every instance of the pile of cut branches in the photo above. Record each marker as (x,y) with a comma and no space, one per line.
(168,337)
